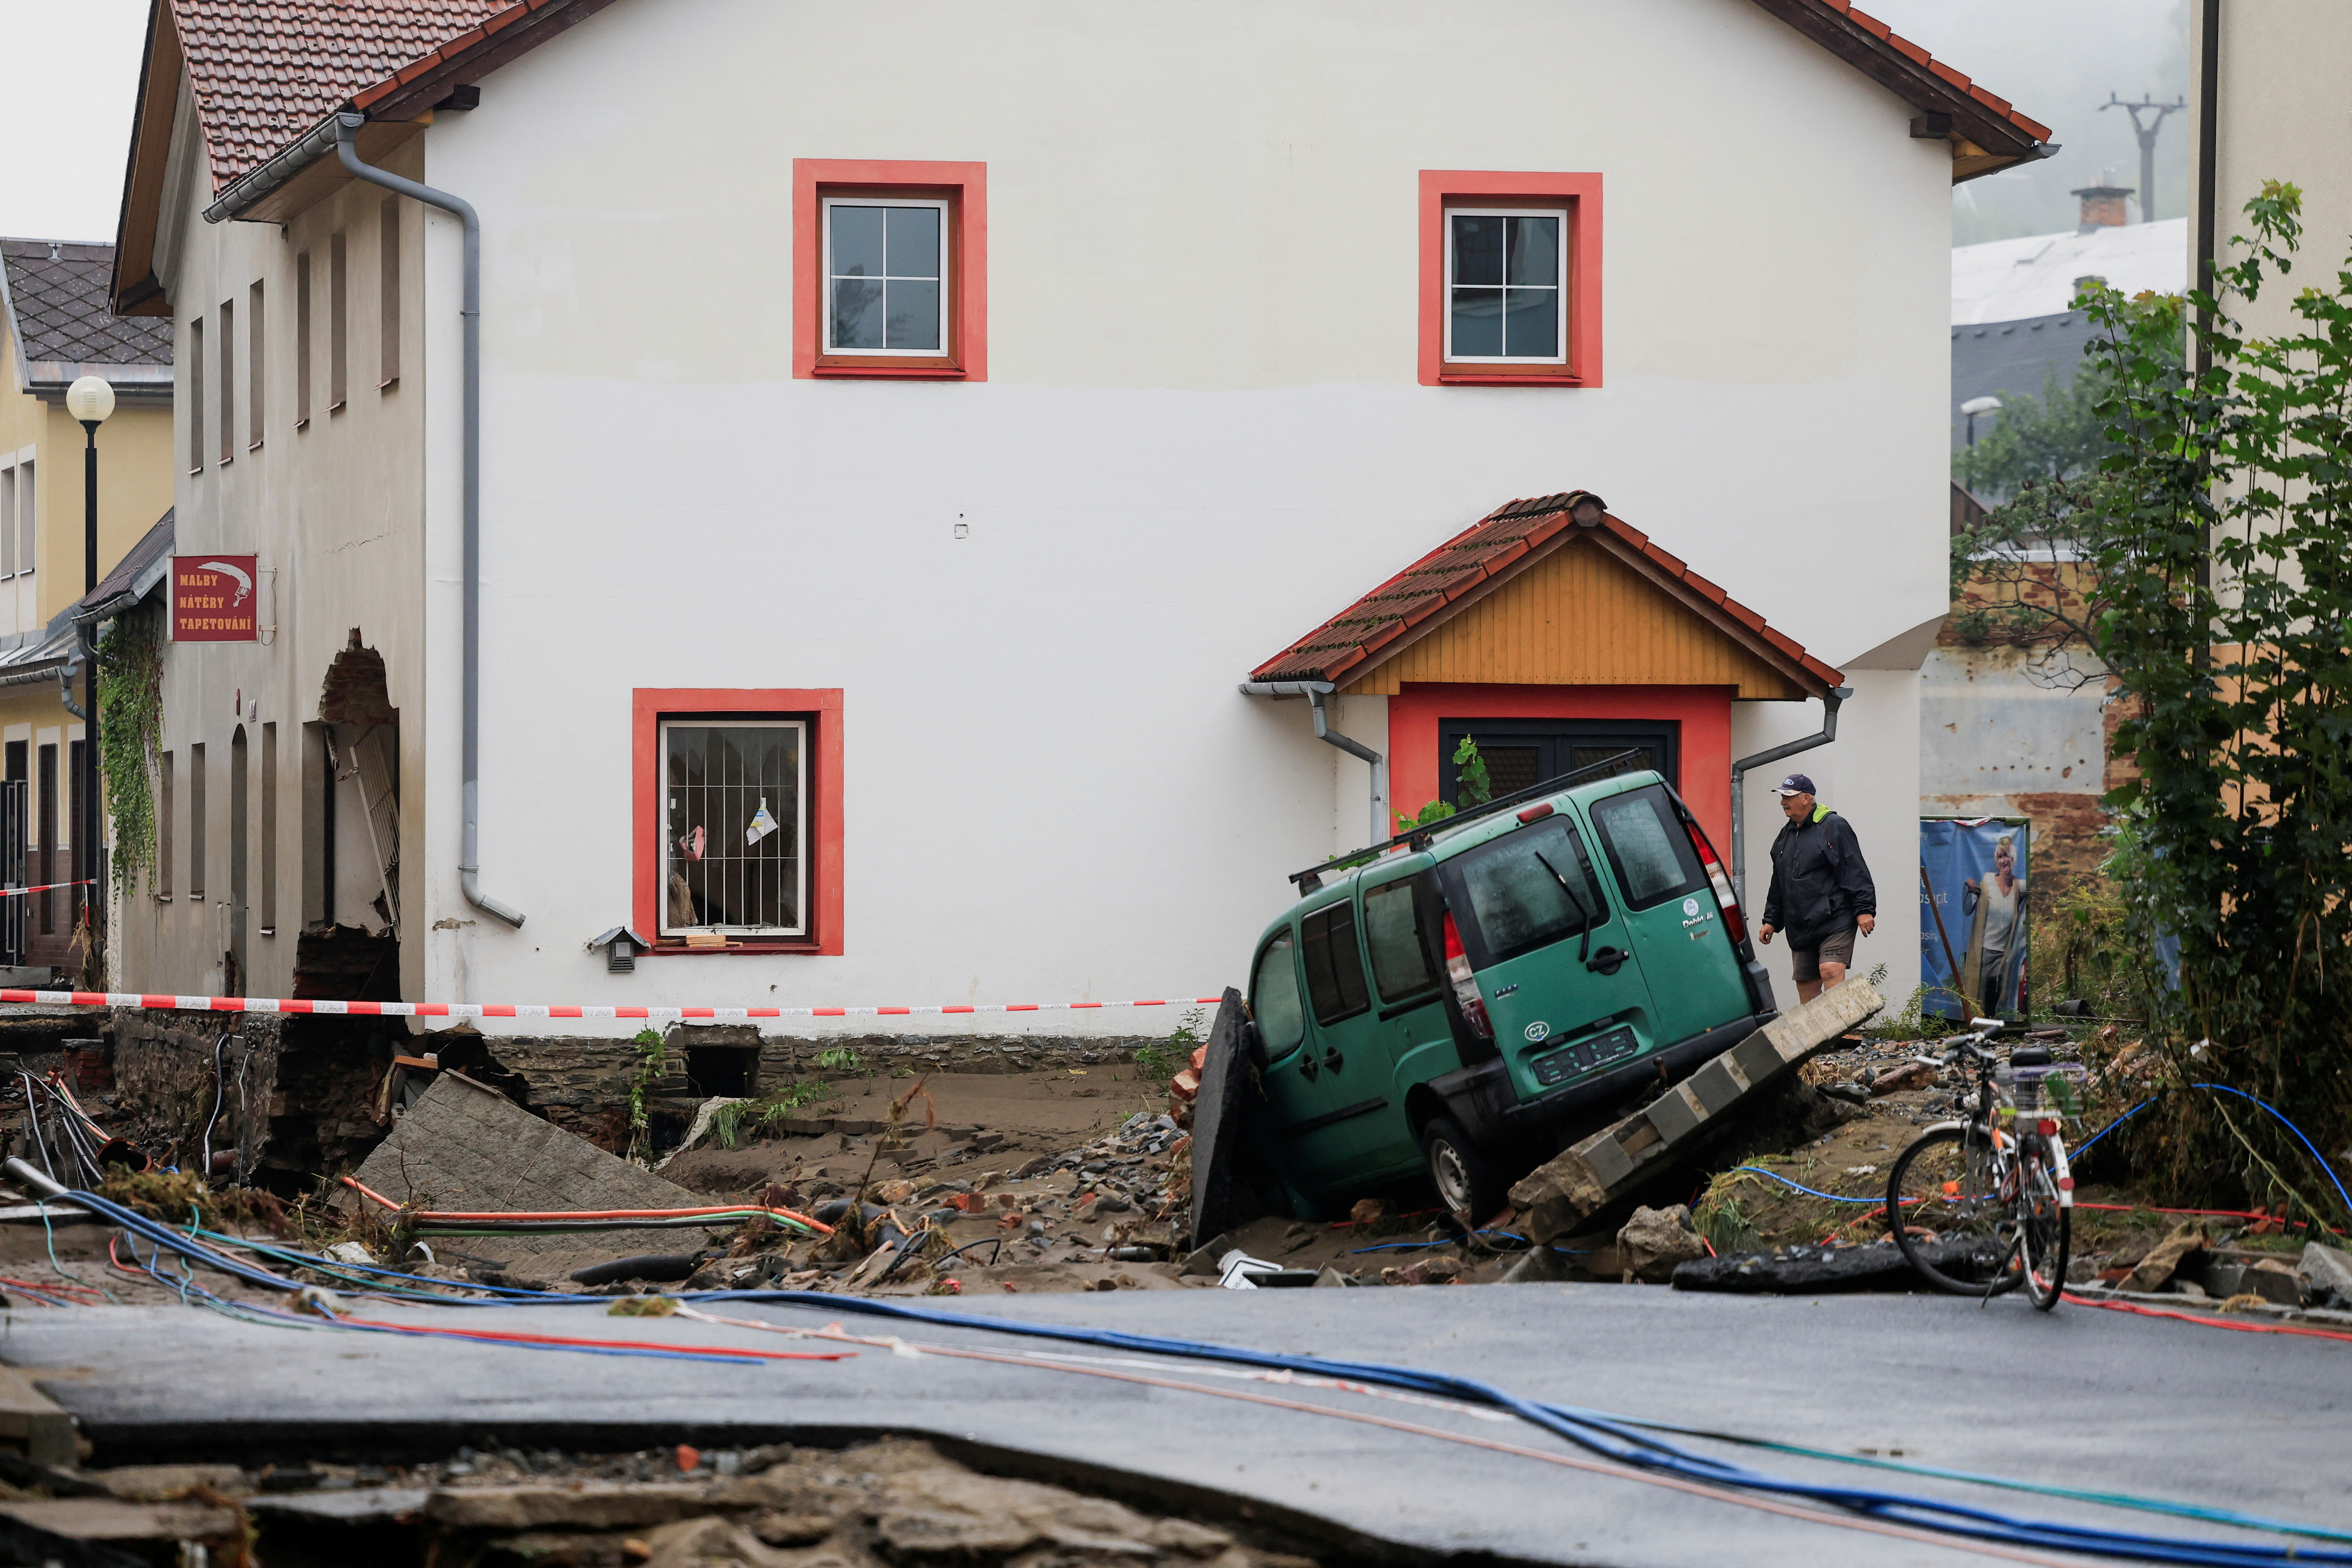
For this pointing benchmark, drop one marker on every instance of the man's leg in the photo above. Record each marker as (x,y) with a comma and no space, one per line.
(1804,967)
(1836,953)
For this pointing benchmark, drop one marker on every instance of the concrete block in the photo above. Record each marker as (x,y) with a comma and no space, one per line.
(1677,1114)
(2327,1276)
(31,1423)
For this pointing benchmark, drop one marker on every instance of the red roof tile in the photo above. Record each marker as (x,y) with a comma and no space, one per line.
(1902,67)
(1499,545)
(265,71)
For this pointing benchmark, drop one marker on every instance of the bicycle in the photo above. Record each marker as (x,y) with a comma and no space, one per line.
(1985,1203)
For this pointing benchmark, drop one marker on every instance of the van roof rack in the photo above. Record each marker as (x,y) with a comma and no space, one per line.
(1419,835)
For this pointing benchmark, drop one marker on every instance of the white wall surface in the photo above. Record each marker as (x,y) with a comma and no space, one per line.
(1202,434)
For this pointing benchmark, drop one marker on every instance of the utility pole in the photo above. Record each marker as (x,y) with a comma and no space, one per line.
(2146,134)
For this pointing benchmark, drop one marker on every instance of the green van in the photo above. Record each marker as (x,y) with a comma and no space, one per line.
(1472,996)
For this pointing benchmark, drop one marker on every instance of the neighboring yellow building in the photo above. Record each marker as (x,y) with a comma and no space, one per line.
(54,328)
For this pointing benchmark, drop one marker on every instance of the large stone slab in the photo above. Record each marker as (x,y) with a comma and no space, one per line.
(464,1147)
(1555,1198)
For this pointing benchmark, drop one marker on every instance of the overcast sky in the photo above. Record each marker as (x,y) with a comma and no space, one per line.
(65,116)
(74,71)
(2059,60)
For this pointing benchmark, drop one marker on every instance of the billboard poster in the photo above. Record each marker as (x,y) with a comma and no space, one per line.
(213,599)
(1972,916)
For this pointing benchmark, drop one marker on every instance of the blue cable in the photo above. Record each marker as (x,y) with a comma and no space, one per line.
(1594,1431)
(1809,1192)
(1608,1435)
(2325,1168)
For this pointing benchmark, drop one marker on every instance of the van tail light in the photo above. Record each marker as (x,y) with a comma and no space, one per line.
(1465,985)
(1733,918)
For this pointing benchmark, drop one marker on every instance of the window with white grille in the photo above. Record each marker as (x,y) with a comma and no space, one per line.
(734,826)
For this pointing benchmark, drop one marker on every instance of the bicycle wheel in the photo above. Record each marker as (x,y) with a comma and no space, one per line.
(1949,1211)
(2047,1232)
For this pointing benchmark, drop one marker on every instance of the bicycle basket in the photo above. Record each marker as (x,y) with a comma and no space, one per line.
(2041,1093)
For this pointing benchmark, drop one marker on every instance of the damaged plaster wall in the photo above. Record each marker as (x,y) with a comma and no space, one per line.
(1996,739)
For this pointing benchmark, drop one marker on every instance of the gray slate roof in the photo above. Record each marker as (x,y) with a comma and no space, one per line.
(1996,357)
(55,296)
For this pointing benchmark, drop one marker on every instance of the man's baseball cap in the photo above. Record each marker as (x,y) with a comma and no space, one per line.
(1795,783)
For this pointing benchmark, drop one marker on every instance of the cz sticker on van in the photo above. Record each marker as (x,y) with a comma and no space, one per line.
(1538,1030)
(1582,1058)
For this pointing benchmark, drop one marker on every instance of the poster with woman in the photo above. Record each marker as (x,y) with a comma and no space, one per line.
(1972,916)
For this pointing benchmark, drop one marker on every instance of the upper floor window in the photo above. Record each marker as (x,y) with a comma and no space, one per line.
(1506,273)
(1510,279)
(886,276)
(889,270)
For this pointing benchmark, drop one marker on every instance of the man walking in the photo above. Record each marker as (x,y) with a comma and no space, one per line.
(1822,892)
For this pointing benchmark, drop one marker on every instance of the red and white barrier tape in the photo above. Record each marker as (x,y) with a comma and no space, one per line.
(43,887)
(527,1010)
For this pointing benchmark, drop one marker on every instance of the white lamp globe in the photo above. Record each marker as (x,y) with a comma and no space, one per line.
(90,400)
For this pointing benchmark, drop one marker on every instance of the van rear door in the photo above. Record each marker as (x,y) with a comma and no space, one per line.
(1670,906)
(1552,956)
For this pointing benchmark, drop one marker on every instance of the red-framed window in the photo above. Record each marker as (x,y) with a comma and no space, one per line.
(1510,279)
(737,819)
(889,270)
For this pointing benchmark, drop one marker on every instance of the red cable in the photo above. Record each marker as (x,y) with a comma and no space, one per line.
(497,1337)
(2244,1328)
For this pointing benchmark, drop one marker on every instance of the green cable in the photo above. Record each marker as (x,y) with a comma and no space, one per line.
(50,1236)
(2077,1494)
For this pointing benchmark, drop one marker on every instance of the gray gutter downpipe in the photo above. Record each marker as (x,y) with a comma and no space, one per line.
(1316,691)
(469,856)
(1829,701)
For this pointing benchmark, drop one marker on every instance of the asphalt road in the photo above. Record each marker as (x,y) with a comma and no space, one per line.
(2084,1397)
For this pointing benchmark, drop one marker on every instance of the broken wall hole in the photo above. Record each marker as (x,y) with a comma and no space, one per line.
(729,1071)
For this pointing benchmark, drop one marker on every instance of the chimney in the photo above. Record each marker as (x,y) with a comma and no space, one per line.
(2103,204)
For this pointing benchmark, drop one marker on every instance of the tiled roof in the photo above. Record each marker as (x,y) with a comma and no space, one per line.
(1969,110)
(265,71)
(1496,547)
(56,293)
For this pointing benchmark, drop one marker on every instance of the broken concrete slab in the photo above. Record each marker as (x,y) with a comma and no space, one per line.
(32,1425)
(2164,1257)
(1616,1160)
(1218,1113)
(464,1147)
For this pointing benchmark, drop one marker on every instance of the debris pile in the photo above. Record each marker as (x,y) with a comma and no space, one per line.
(897,1501)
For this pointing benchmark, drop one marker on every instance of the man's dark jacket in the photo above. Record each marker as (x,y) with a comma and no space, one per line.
(1819,882)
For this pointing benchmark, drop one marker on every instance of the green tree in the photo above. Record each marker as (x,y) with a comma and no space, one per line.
(2224,552)
(2055,436)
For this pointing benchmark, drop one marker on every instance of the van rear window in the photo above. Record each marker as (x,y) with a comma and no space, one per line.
(1531,887)
(1647,847)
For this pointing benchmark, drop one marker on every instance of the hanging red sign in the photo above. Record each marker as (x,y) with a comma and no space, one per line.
(213,599)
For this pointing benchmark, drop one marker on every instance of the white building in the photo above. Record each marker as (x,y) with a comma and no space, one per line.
(934,412)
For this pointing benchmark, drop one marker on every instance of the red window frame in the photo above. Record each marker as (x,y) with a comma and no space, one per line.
(821,706)
(965,186)
(1581,194)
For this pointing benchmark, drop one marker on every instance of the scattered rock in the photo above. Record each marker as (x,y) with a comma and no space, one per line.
(2166,1256)
(1905,1075)
(2327,1276)
(1655,1241)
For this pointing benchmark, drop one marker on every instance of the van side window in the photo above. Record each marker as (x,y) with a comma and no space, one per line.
(1335,975)
(1273,999)
(1526,889)
(1399,968)
(1647,848)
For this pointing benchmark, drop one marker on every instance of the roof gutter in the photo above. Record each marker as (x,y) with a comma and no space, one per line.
(1317,692)
(1829,702)
(471,748)
(246,190)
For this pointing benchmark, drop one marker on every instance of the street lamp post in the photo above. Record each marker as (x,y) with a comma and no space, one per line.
(1976,405)
(90,400)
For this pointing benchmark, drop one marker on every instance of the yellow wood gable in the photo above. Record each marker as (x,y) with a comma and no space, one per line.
(1579,617)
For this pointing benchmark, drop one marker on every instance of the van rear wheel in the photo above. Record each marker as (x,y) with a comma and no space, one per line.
(1467,1181)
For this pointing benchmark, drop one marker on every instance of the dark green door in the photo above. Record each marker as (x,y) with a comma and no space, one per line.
(1553,956)
(1309,1107)
(1670,908)
(1415,1040)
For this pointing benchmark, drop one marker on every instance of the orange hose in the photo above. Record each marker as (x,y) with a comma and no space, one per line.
(2244,1328)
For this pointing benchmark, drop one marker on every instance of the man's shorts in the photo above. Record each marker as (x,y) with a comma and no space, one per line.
(1807,965)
